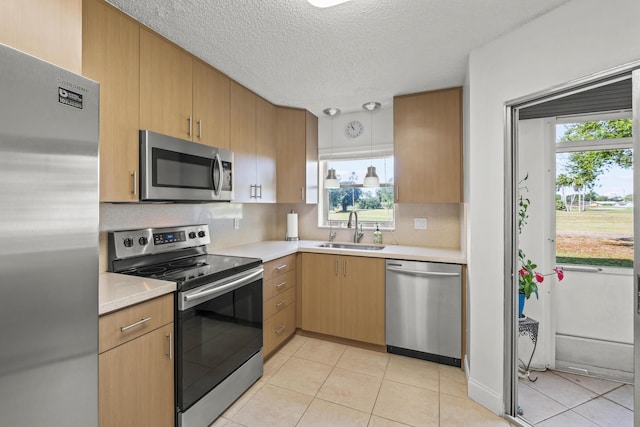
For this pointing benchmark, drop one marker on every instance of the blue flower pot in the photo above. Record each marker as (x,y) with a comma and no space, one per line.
(521,300)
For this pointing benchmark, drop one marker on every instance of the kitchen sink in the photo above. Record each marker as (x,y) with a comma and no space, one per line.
(356,246)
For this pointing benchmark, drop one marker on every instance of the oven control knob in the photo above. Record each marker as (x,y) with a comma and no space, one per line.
(128,242)
(192,235)
(201,234)
(143,241)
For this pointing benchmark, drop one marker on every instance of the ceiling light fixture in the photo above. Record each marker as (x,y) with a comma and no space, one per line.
(371,179)
(331,181)
(326,3)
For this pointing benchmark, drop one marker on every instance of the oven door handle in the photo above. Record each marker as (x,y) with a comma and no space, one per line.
(224,288)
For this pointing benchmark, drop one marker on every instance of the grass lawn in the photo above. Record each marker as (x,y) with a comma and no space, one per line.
(599,236)
(374,215)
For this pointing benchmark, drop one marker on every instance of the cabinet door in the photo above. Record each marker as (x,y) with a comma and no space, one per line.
(321,294)
(165,87)
(266,150)
(50,30)
(427,129)
(291,144)
(136,382)
(311,158)
(243,141)
(110,46)
(363,299)
(210,106)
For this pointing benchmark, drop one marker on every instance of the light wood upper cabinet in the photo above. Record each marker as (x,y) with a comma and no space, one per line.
(253,122)
(110,55)
(166,86)
(210,106)
(243,141)
(344,296)
(48,29)
(297,165)
(266,152)
(427,138)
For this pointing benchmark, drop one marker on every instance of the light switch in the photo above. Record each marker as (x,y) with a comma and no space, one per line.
(420,223)
(236,223)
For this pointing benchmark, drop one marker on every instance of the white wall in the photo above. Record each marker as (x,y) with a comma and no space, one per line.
(580,38)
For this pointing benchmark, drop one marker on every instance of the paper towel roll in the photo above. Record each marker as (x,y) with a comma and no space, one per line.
(292,226)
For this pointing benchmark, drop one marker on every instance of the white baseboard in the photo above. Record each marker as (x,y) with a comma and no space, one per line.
(484,396)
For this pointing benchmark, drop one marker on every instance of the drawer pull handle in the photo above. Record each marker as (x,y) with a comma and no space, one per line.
(139,322)
(170,338)
(281,329)
(280,285)
(281,303)
(280,267)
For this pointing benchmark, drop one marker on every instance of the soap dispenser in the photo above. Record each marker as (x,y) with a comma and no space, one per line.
(377,235)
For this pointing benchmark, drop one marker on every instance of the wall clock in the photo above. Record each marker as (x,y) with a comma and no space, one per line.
(354,129)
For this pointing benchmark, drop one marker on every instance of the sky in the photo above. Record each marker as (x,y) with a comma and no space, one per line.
(615,182)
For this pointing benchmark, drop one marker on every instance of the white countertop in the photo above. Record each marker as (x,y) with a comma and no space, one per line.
(273,249)
(116,291)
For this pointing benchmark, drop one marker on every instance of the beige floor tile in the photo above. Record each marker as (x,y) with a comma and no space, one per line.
(560,389)
(415,372)
(463,412)
(242,400)
(352,389)
(364,361)
(452,387)
(623,395)
(293,345)
(567,419)
(304,376)
(321,351)
(597,385)
(605,413)
(537,406)
(224,422)
(407,404)
(322,413)
(377,421)
(272,365)
(274,407)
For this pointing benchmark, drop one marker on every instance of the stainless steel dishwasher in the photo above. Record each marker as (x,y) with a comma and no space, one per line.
(424,310)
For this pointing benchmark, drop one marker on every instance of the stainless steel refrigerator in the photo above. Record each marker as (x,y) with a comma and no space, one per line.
(48,244)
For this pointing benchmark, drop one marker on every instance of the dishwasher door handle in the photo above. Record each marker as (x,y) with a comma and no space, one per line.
(423,273)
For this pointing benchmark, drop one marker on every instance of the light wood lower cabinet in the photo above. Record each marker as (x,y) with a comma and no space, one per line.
(344,296)
(136,370)
(279,295)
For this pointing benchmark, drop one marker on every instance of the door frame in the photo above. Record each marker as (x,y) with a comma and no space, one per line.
(511,117)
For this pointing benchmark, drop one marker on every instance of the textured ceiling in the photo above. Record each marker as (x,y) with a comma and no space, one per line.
(295,54)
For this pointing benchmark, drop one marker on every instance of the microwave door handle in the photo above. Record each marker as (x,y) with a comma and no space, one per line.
(217,162)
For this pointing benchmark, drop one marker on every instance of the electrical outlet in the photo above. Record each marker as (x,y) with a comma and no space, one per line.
(236,223)
(420,223)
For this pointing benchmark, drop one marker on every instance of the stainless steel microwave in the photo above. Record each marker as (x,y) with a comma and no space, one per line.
(176,170)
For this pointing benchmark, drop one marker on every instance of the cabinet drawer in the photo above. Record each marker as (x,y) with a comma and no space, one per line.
(279,284)
(279,302)
(279,266)
(278,328)
(131,322)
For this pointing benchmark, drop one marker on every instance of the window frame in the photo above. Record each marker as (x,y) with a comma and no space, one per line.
(323,201)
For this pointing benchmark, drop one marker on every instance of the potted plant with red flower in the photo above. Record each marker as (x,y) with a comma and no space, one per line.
(528,277)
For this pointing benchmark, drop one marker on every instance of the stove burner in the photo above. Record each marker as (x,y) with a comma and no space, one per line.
(149,271)
(184,263)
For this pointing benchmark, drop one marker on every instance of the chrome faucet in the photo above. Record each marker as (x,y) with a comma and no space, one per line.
(357,235)
(332,234)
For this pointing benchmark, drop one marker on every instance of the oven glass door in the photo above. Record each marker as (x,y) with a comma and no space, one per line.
(214,338)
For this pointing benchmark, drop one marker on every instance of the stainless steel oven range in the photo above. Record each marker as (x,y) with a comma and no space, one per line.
(218,314)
